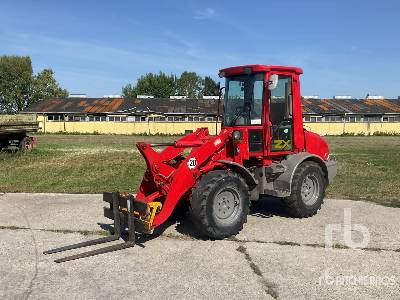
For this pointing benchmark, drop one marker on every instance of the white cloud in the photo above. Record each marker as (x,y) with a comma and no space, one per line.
(206,13)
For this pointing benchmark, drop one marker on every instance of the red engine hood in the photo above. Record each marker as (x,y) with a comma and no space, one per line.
(315,144)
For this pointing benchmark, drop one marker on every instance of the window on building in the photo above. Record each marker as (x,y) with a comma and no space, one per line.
(55,118)
(353,119)
(372,119)
(159,119)
(170,119)
(103,119)
(97,118)
(140,118)
(333,119)
(390,119)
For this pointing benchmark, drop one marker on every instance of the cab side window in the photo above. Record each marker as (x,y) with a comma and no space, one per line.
(281,114)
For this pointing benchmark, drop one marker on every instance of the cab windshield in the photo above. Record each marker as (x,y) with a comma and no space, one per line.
(243,101)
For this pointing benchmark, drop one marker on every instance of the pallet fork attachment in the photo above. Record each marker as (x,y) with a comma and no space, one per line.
(122,209)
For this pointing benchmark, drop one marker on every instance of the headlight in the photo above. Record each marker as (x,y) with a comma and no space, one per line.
(237,135)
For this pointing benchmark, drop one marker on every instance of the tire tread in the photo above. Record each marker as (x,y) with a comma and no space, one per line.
(292,204)
(198,203)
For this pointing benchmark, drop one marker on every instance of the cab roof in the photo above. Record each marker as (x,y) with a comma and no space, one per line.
(259,68)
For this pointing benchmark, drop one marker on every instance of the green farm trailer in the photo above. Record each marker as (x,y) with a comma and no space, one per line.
(14,130)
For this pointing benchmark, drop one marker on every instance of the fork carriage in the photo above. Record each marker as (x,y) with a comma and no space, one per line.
(126,212)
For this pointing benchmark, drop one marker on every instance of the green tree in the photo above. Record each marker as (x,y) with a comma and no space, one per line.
(210,87)
(128,91)
(190,84)
(157,85)
(44,86)
(162,86)
(19,88)
(15,82)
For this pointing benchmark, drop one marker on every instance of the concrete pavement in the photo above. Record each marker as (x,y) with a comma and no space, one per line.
(273,257)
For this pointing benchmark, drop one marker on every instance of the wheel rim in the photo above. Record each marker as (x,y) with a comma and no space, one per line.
(226,204)
(27,145)
(310,189)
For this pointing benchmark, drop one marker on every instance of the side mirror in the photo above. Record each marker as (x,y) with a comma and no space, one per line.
(273,82)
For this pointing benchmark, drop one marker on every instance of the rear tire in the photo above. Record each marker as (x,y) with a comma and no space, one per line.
(26,144)
(220,203)
(308,191)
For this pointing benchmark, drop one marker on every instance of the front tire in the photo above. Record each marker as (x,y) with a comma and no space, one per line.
(180,211)
(220,203)
(308,191)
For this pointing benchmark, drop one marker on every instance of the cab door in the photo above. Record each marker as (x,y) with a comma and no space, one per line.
(280,115)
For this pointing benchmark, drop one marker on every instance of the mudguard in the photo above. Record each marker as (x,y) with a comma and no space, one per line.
(245,173)
(282,185)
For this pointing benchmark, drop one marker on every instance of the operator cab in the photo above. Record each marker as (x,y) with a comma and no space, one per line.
(261,104)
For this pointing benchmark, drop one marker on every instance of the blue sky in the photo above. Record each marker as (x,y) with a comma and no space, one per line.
(96,47)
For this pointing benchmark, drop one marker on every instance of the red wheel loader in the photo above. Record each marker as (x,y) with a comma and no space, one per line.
(262,149)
